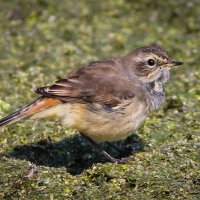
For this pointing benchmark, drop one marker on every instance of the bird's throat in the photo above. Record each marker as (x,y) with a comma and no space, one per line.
(156,94)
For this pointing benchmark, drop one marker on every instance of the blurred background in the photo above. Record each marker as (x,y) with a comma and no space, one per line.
(41,41)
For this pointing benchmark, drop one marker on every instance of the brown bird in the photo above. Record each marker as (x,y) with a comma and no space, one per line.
(105,100)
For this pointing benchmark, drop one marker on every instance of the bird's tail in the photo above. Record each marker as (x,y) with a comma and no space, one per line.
(36,106)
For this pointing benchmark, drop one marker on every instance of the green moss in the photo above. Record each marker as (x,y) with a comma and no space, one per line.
(41,41)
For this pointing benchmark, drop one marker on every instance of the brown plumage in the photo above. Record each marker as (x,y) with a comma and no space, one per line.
(105,100)
(36,106)
(94,83)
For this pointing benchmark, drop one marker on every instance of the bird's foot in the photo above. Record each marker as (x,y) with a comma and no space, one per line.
(108,156)
(120,161)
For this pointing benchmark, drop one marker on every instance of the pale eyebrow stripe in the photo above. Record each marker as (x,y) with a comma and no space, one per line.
(159,58)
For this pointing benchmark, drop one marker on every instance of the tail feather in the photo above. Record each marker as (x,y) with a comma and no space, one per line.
(38,105)
(10,118)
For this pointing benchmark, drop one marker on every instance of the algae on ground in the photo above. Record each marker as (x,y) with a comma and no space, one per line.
(41,41)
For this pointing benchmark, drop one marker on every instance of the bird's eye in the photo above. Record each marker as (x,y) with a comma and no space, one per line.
(151,62)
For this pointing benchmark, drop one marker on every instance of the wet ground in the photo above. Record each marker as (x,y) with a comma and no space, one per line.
(41,41)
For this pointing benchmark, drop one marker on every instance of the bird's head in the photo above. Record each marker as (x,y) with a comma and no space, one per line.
(151,63)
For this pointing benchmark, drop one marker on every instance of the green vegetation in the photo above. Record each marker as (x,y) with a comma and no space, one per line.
(42,41)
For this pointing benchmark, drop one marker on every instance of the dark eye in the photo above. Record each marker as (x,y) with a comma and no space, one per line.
(151,62)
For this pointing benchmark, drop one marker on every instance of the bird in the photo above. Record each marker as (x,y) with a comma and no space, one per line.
(105,100)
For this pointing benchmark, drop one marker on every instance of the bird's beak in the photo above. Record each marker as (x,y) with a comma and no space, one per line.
(176,63)
(173,63)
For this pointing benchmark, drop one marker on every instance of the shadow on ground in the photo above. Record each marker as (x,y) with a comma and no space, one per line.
(74,153)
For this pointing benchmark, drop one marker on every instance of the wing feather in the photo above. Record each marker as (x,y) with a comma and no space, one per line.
(98,82)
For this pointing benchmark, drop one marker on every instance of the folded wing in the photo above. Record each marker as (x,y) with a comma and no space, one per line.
(98,82)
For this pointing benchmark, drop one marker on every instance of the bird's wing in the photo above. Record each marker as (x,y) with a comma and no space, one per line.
(98,82)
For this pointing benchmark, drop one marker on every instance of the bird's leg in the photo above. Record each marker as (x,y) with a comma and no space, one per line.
(120,151)
(114,147)
(108,156)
